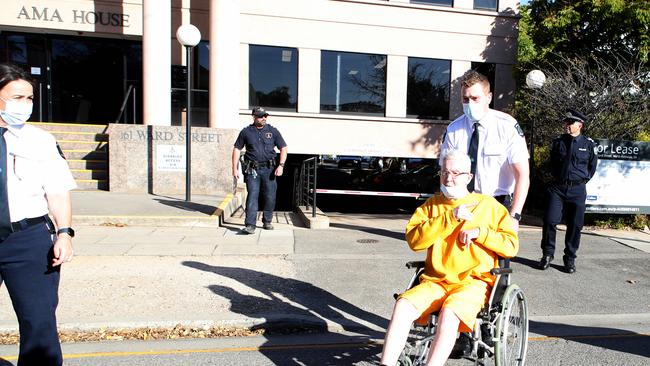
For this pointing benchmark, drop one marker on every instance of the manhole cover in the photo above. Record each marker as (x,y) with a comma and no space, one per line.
(367,241)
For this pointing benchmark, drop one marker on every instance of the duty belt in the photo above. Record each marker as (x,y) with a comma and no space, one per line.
(570,183)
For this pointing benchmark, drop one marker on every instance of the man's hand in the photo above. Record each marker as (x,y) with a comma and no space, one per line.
(515,224)
(462,212)
(62,250)
(466,236)
(279,170)
(235,173)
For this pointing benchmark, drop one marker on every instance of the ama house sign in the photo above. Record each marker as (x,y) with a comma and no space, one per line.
(80,16)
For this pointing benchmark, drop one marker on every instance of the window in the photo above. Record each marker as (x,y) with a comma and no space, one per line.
(487,69)
(273,77)
(353,83)
(434,2)
(485,4)
(428,88)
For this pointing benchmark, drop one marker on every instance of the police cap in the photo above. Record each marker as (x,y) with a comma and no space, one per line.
(573,115)
(259,112)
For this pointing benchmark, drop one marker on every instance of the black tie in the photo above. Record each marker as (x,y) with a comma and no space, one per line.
(473,155)
(5,219)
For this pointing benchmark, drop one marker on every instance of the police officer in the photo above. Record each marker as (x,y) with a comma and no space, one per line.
(495,143)
(573,163)
(34,179)
(260,167)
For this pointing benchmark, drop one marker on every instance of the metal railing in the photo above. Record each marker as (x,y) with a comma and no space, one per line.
(129,92)
(305,185)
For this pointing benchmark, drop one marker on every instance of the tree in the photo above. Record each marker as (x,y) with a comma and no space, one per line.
(600,28)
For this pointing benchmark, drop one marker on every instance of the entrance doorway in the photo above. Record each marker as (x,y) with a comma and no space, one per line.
(79,79)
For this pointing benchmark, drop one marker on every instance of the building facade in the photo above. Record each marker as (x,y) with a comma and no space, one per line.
(346,77)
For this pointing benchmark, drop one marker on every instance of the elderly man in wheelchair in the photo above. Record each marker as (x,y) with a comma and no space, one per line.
(465,235)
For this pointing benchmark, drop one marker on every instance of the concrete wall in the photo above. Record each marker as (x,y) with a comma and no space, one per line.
(151,159)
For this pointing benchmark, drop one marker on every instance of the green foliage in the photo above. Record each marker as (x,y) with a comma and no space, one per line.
(619,222)
(589,27)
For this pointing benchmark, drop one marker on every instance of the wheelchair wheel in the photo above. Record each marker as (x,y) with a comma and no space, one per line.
(512,329)
(417,346)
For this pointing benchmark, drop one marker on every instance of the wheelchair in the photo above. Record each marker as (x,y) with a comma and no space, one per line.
(500,334)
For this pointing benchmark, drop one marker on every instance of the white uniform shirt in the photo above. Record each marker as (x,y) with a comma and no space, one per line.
(501,143)
(34,168)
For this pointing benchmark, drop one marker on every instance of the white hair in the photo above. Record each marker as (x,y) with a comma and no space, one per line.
(461,158)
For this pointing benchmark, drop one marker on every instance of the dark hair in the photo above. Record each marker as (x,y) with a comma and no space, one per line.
(10,72)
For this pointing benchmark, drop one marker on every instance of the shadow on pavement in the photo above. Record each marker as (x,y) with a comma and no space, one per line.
(187,206)
(371,230)
(290,304)
(606,338)
(526,262)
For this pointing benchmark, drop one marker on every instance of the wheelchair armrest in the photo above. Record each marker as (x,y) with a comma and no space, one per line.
(414,264)
(499,271)
(504,263)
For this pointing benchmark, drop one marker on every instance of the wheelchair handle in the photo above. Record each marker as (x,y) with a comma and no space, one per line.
(414,264)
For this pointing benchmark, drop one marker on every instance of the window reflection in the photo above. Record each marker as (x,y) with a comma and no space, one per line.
(428,88)
(353,83)
(273,77)
(434,2)
(485,4)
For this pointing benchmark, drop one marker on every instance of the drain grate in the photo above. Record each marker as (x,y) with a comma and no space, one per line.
(367,241)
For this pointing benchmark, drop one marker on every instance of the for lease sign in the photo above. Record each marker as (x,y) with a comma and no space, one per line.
(620,185)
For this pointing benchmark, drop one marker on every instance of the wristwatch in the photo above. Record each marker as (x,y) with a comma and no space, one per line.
(516,216)
(281,164)
(66,230)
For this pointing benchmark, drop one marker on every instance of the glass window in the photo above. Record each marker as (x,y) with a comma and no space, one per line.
(487,69)
(485,4)
(352,83)
(273,77)
(428,88)
(434,2)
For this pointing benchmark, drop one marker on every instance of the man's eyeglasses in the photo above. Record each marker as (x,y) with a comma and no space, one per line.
(453,174)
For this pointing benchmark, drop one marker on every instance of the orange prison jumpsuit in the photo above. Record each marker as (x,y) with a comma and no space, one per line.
(456,277)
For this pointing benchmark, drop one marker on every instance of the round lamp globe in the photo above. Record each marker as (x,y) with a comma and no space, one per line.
(535,79)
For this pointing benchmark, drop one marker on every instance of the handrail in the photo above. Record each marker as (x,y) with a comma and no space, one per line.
(126,98)
(305,185)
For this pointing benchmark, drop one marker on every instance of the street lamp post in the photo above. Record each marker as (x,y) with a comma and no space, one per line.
(535,79)
(188,36)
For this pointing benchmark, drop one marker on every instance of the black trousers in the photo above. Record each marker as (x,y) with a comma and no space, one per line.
(568,201)
(33,285)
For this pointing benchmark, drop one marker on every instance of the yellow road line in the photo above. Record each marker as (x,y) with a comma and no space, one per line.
(210,350)
(371,343)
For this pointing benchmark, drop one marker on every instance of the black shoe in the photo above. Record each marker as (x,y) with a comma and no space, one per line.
(249,229)
(545,262)
(569,264)
(462,347)
(268,226)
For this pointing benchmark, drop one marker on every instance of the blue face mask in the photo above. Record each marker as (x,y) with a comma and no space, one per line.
(16,113)
(474,111)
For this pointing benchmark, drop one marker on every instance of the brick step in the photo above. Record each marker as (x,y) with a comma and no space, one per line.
(82,145)
(92,184)
(76,127)
(79,136)
(85,154)
(85,174)
(88,164)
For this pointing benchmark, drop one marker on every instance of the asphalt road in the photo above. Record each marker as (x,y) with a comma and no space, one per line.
(343,279)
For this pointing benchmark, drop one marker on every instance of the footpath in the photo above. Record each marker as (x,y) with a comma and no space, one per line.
(145,261)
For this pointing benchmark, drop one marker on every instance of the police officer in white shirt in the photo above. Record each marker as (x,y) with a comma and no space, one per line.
(498,152)
(497,148)
(34,180)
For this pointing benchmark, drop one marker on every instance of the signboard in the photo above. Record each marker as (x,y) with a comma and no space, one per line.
(620,185)
(170,158)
